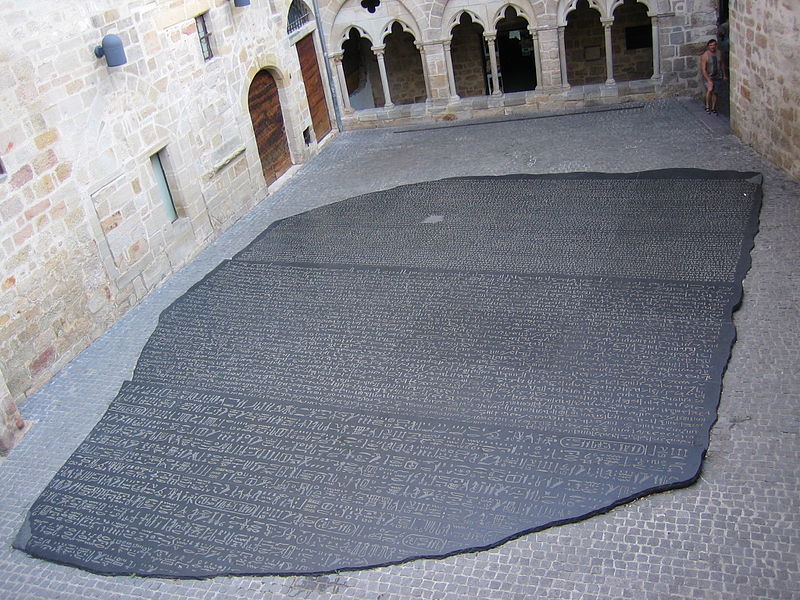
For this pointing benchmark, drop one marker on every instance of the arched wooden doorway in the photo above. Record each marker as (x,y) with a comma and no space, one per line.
(268,126)
(298,16)
(315,92)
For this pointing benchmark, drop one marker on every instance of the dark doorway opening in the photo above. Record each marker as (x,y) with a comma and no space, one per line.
(361,72)
(515,49)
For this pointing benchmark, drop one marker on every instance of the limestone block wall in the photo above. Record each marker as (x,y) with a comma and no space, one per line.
(404,65)
(584,41)
(765,79)
(84,233)
(683,33)
(468,61)
(630,63)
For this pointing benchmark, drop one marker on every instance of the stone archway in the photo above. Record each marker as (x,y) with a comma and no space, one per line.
(268,126)
(361,73)
(515,52)
(468,52)
(584,44)
(404,68)
(632,42)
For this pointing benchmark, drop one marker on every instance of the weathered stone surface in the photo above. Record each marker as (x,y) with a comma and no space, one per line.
(443,391)
(765,81)
(75,131)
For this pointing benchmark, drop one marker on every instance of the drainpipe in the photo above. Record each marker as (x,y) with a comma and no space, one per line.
(336,110)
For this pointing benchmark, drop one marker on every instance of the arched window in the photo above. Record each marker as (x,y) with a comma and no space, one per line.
(299,15)
(632,42)
(361,72)
(468,51)
(584,41)
(515,53)
(404,67)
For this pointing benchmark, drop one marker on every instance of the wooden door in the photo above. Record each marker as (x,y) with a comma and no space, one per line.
(315,92)
(267,118)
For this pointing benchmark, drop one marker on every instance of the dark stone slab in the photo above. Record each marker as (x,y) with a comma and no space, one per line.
(495,348)
(675,224)
(197,483)
(305,417)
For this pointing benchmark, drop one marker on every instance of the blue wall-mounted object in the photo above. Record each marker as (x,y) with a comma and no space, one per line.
(111,48)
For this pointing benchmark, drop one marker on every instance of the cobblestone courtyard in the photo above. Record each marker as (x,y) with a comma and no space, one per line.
(734,534)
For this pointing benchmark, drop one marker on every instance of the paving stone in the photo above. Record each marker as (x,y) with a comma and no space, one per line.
(734,534)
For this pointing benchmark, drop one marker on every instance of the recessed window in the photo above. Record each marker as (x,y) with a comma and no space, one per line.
(637,37)
(204,35)
(3,174)
(163,185)
(298,16)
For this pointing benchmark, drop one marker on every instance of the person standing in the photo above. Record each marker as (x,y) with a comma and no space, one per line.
(714,73)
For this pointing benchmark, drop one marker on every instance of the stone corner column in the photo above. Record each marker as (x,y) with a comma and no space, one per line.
(451,75)
(562,56)
(490,40)
(537,56)
(425,73)
(609,55)
(336,57)
(656,48)
(379,52)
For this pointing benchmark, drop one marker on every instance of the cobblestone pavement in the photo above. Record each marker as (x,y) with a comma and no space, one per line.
(734,534)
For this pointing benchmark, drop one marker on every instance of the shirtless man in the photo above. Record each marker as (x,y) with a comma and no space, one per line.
(714,73)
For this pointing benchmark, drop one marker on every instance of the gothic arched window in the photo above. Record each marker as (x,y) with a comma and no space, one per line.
(299,15)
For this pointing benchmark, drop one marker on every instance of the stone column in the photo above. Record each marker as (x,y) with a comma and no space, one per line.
(562,55)
(11,422)
(609,55)
(421,48)
(451,76)
(379,51)
(656,49)
(537,55)
(490,38)
(342,80)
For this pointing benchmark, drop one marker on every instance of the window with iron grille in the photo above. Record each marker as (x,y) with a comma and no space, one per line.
(298,16)
(205,36)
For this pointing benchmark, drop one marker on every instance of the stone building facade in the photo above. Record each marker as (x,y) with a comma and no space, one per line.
(765,78)
(112,178)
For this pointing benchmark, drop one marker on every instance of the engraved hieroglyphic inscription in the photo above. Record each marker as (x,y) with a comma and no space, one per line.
(201,482)
(417,372)
(674,229)
(618,357)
